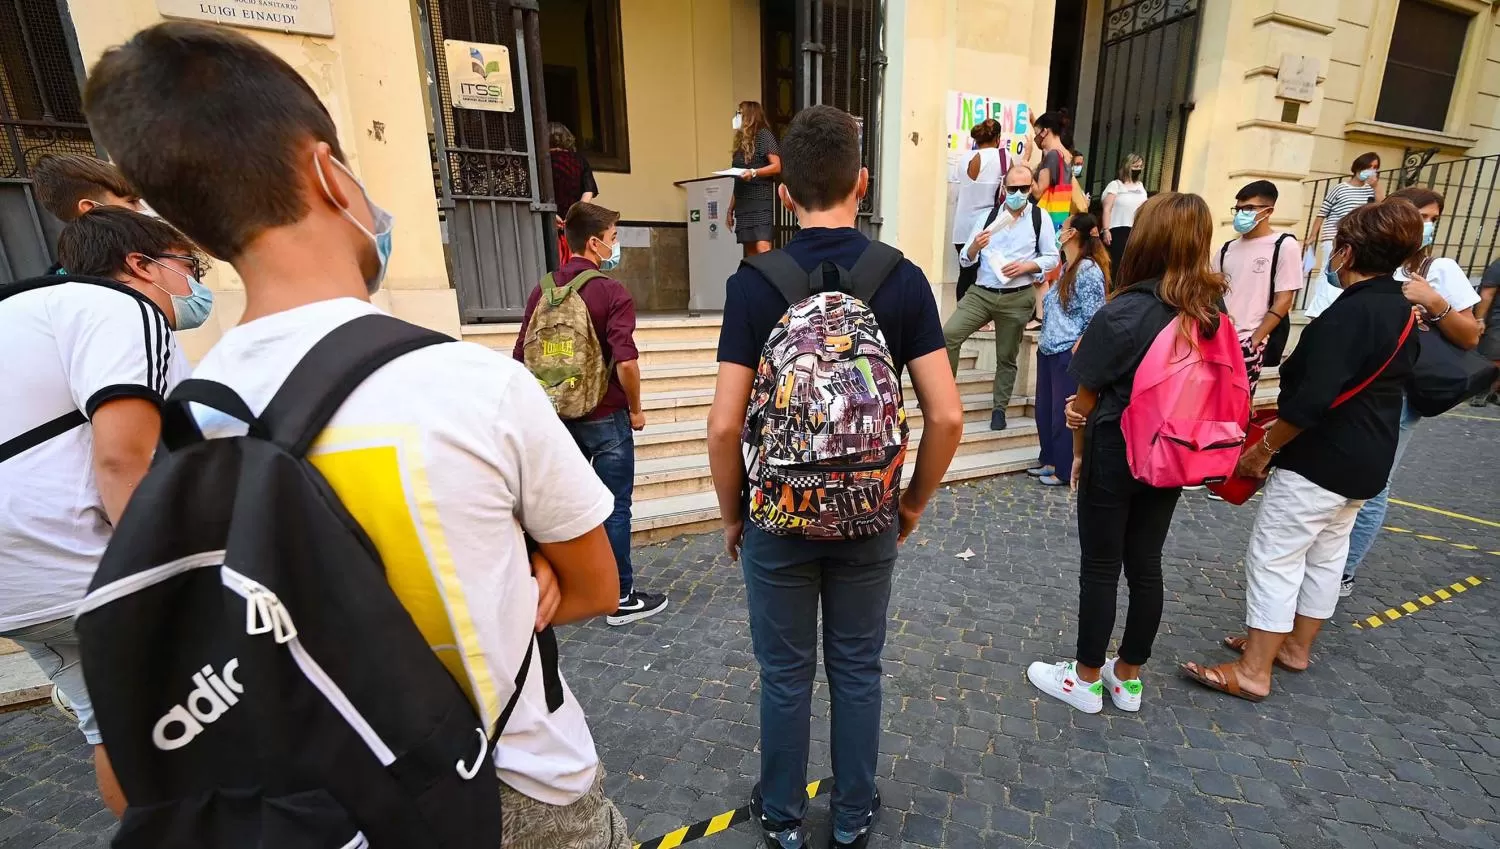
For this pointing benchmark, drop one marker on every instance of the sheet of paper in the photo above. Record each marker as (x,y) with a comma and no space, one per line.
(730,172)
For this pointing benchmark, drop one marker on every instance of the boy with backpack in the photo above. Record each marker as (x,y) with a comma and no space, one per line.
(578,339)
(809,394)
(1264,272)
(341,520)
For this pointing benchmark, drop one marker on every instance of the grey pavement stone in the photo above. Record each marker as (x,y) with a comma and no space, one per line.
(1368,749)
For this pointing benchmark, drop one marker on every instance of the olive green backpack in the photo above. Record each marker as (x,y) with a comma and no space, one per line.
(562,350)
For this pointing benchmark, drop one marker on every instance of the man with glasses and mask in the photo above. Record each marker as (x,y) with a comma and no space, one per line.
(1015,247)
(90,356)
(448,456)
(1264,270)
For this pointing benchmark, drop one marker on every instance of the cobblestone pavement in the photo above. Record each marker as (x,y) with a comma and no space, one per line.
(1392,740)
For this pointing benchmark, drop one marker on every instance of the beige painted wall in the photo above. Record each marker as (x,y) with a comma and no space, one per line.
(687,64)
(952,45)
(364,76)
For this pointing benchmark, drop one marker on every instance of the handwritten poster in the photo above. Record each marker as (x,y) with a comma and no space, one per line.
(966,109)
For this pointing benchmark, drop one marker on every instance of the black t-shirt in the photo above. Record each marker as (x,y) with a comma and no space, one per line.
(908,318)
(1112,348)
(904,307)
(1491,280)
(1348,450)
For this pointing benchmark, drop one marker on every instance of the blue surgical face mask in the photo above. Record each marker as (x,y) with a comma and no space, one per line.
(1366,175)
(611,262)
(1245,221)
(1077,170)
(1429,232)
(191,310)
(384,221)
(1015,200)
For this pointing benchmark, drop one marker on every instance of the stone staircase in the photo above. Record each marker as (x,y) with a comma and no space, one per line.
(673,486)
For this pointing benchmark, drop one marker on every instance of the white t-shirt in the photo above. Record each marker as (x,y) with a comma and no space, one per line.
(1128,199)
(67,348)
(444,456)
(1450,281)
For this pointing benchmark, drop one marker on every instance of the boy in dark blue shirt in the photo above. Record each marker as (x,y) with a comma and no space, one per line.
(787,577)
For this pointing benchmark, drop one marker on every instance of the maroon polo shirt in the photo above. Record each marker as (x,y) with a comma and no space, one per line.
(613,313)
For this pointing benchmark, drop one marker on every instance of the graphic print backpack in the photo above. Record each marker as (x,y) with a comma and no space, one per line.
(259,683)
(1188,408)
(825,437)
(562,350)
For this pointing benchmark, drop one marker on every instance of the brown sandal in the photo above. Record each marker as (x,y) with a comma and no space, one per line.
(1229,680)
(1237,645)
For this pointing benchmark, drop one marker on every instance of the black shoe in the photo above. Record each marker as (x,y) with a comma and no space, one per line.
(637,606)
(862,837)
(997,420)
(777,835)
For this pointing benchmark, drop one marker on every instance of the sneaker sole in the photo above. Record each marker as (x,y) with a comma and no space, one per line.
(634,617)
(1064,698)
(1122,704)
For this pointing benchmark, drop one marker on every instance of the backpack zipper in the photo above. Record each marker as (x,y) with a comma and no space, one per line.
(116,590)
(264,614)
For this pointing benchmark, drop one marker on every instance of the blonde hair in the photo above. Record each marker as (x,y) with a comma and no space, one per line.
(752,121)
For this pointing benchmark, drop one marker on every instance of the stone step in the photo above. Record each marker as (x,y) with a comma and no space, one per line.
(663,518)
(702,329)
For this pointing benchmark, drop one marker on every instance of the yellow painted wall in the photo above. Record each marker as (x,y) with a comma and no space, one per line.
(364,74)
(688,63)
(996,47)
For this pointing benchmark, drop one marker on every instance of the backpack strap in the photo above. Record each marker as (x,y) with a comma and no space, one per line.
(1275,261)
(789,278)
(1036,227)
(545,643)
(555,293)
(178,427)
(41,433)
(338,364)
(1224,254)
(872,268)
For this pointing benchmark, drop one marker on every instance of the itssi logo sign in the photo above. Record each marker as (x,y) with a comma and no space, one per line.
(479,76)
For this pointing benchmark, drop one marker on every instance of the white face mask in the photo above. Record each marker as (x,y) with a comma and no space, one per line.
(737,122)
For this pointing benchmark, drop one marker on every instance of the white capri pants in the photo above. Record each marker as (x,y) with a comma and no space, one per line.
(1297,552)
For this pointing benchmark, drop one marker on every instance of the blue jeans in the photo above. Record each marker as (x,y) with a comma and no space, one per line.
(1372,516)
(609,445)
(785,580)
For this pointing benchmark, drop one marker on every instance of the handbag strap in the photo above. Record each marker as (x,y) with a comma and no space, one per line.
(1411,320)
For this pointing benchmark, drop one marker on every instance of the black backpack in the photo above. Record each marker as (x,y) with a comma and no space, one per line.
(1276,341)
(257,681)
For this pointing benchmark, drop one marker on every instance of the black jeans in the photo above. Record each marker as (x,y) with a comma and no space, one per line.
(1121,522)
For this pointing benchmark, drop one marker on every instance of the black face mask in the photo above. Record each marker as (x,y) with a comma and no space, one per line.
(1135,172)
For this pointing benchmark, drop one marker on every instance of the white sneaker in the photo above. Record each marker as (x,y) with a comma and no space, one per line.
(1346,586)
(1061,682)
(1125,694)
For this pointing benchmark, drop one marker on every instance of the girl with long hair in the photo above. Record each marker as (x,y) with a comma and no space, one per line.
(751,209)
(1069,306)
(1122,522)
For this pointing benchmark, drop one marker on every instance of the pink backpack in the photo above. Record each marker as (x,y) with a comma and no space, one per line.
(1186,419)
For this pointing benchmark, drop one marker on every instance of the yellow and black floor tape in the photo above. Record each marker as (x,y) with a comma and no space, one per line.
(714,825)
(1406,608)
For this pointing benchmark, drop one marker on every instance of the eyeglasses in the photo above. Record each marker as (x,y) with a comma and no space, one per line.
(195,265)
(1248,208)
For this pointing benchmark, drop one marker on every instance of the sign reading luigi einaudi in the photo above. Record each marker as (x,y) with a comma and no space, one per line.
(479,76)
(312,17)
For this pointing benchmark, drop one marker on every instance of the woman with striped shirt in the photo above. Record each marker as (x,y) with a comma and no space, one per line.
(1362,186)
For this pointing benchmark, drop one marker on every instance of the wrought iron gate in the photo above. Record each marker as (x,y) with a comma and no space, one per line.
(40,113)
(842,59)
(494,178)
(1147,56)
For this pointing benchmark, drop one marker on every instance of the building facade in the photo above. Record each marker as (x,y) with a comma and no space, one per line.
(1212,94)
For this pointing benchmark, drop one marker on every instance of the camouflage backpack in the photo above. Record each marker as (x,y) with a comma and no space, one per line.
(825,437)
(563,351)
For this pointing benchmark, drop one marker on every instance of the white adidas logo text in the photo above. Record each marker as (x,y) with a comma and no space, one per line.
(213,694)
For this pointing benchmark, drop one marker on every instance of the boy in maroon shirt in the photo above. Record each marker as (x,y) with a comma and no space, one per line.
(606,435)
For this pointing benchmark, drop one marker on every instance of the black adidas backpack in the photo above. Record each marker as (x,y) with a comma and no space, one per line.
(257,682)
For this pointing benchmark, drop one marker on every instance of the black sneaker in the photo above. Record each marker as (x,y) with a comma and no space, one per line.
(777,835)
(860,838)
(997,420)
(637,606)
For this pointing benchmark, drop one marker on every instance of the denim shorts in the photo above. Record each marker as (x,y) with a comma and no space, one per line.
(54,647)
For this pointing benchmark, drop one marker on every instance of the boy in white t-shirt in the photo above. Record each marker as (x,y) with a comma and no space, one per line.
(445,456)
(1257,261)
(1446,299)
